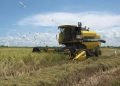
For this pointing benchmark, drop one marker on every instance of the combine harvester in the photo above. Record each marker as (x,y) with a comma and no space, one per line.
(79,42)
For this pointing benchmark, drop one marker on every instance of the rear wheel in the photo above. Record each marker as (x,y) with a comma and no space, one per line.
(97,51)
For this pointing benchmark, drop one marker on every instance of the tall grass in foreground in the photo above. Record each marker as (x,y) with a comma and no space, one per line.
(21,67)
(17,61)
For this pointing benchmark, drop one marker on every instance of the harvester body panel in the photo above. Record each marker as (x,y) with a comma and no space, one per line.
(90,36)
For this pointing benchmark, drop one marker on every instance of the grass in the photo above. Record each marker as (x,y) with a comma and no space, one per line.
(21,67)
(19,61)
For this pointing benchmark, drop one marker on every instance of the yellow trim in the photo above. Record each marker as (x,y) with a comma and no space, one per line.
(80,56)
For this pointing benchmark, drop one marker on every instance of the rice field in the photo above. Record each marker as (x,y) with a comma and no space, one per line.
(21,67)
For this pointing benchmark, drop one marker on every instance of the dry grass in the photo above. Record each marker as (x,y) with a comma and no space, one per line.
(21,67)
(17,61)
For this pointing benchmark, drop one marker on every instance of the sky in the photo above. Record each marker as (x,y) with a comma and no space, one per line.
(35,22)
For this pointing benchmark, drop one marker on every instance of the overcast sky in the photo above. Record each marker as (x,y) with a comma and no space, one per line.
(34,22)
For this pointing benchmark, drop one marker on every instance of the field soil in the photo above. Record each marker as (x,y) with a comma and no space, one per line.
(21,67)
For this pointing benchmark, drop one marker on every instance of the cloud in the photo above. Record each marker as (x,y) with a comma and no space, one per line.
(106,24)
(30,39)
(52,19)
(96,20)
(112,37)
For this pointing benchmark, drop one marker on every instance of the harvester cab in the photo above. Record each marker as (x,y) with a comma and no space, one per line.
(80,41)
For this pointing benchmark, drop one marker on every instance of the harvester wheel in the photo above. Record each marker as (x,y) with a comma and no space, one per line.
(100,52)
(71,53)
(36,49)
(97,52)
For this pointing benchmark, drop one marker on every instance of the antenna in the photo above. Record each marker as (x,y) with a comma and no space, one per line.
(79,24)
(79,27)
